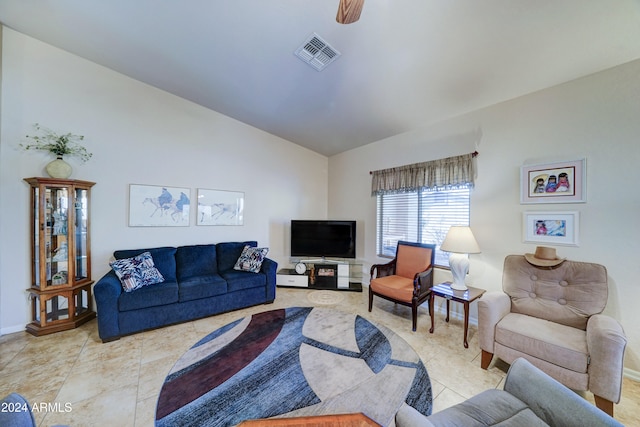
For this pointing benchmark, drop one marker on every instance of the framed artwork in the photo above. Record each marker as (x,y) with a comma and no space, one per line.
(555,228)
(218,207)
(563,182)
(158,206)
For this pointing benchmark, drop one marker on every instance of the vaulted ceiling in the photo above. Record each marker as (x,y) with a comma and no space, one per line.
(404,64)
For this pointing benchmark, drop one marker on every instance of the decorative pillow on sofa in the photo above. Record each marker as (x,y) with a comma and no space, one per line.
(136,272)
(251,259)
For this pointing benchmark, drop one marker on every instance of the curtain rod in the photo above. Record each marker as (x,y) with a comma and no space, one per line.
(474,154)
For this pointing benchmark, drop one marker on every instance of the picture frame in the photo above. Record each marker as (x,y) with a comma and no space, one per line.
(159,206)
(555,228)
(220,207)
(561,182)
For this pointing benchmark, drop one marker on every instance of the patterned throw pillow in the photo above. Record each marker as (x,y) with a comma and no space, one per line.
(136,272)
(251,259)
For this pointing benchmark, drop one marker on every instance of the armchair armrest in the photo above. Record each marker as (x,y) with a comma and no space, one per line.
(383,270)
(15,411)
(423,282)
(107,292)
(551,401)
(492,307)
(269,268)
(606,342)
(408,416)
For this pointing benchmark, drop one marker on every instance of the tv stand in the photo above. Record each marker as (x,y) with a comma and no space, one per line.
(326,274)
(324,260)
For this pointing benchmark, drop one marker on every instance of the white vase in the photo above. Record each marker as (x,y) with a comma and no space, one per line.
(58,168)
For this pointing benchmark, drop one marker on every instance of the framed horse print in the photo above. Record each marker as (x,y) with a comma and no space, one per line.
(159,206)
(218,207)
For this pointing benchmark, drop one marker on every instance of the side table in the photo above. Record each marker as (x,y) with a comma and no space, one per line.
(444,290)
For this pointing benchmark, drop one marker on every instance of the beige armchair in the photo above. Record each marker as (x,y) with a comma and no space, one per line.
(551,317)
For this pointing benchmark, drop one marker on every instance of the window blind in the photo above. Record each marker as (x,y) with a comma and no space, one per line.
(421,216)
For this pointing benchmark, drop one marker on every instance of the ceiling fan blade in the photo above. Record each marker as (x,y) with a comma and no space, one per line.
(349,11)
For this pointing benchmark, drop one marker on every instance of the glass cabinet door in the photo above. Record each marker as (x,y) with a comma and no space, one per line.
(81,210)
(56,235)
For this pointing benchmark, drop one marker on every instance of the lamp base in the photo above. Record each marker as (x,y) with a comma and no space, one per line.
(458,287)
(459,265)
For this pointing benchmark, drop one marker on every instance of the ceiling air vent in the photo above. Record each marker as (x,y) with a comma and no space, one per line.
(317,52)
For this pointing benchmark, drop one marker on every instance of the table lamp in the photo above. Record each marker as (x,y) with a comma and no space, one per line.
(459,241)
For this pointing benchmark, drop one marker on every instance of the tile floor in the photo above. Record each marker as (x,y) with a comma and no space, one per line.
(79,381)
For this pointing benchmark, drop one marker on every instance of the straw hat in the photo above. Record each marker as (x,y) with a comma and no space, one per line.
(544,257)
(542,176)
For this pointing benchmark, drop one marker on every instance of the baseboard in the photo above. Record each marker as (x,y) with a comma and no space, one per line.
(631,374)
(11,329)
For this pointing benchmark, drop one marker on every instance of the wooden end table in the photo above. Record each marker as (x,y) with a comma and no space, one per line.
(444,290)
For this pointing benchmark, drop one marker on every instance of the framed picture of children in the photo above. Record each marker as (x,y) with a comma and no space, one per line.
(563,182)
(554,228)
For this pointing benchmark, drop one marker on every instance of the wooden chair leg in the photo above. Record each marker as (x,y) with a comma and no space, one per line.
(486,359)
(370,300)
(604,405)
(414,316)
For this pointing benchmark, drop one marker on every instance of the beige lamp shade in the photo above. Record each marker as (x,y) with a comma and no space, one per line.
(460,240)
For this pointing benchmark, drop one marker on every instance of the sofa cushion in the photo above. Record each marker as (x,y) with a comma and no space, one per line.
(201,287)
(149,296)
(555,343)
(196,260)
(251,259)
(164,259)
(238,280)
(229,252)
(136,272)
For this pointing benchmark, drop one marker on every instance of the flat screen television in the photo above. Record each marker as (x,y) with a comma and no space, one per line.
(323,238)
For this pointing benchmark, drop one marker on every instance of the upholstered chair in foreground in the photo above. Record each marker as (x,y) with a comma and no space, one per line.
(15,411)
(407,279)
(551,316)
(530,398)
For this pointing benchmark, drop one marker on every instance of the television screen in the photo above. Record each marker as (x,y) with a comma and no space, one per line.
(323,238)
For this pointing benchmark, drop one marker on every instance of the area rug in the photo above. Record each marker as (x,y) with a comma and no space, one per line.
(325,297)
(292,362)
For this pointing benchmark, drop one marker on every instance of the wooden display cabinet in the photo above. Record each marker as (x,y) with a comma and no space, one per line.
(61,282)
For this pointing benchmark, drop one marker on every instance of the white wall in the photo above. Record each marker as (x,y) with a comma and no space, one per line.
(138,135)
(594,118)
(141,135)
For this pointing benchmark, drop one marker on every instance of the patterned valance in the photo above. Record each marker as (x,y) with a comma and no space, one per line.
(452,172)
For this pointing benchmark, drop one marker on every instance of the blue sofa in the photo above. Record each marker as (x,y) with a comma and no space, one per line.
(199,281)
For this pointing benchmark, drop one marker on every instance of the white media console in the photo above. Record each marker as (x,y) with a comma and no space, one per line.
(323,274)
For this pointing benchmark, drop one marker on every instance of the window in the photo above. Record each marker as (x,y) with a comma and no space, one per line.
(420,216)
(421,201)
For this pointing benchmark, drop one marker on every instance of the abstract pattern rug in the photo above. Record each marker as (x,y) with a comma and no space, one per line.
(294,362)
(325,297)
